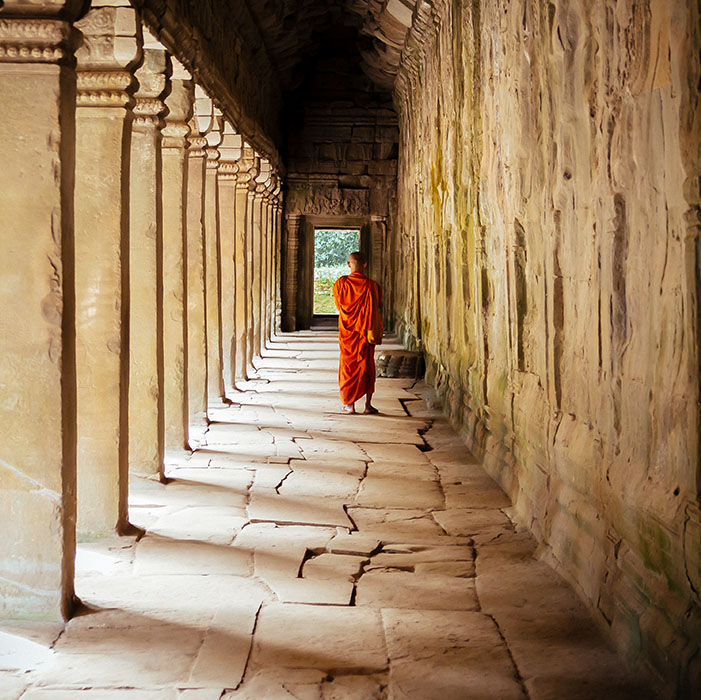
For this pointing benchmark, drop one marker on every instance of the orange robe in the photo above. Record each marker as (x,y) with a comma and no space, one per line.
(356,297)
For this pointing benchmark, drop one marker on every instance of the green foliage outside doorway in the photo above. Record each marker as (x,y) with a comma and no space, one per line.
(331,249)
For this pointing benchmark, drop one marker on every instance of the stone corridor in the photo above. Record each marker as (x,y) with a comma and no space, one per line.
(301,553)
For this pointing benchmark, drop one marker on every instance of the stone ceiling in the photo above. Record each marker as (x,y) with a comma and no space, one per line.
(295,31)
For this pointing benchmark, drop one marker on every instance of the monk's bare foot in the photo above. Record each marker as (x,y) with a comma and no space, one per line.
(370,410)
(350,408)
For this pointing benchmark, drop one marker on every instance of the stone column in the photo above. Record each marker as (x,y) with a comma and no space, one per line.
(37,362)
(175,160)
(231,150)
(247,170)
(196,337)
(277,260)
(259,233)
(250,262)
(289,299)
(111,46)
(146,420)
(213,134)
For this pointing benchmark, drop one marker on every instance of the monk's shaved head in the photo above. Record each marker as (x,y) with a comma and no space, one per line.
(357,261)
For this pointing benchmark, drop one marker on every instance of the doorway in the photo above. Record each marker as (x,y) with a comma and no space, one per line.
(331,249)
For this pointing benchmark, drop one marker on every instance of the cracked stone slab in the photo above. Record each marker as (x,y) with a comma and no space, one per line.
(112,648)
(418,591)
(222,658)
(280,684)
(158,555)
(25,645)
(383,489)
(394,525)
(451,655)
(320,483)
(333,567)
(213,524)
(472,521)
(480,492)
(370,687)
(353,543)
(323,448)
(108,557)
(327,638)
(398,454)
(101,694)
(319,591)
(450,561)
(170,598)
(555,642)
(12,686)
(267,505)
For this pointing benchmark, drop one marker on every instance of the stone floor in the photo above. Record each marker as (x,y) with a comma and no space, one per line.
(304,554)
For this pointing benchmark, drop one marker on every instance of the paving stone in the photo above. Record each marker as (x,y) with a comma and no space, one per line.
(12,686)
(318,591)
(165,597)
(477,493)
(221,660)
(449,561)
(471,521)
(333,567)
(451,655)
(353,543)
(371,687)
(280,684)
(201,694)
(383,490)
(109,557)
(213,524)
(317,482)
(387,524)
(159,555)
(100,694)
(25,644)
(547,626)
(112,649)
(327,638)
(269,506)
(401,589)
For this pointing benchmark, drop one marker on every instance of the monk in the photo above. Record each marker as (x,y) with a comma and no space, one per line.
(358,300)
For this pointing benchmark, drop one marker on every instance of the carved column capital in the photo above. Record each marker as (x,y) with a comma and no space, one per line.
(152,77)
(228,170)
(262,180)
(179,102)
(37,41)
(111,48)
(196,143)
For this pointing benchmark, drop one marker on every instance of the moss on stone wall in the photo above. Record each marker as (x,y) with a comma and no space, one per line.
(545,160)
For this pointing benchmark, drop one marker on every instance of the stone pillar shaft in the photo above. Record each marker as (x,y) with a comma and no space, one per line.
(215,381)
(290,273)
(250,277)
(146,419)
(175,175)
(258,271)
(103,130)
(227,233)
(196,337)
(37,363)
(242,278)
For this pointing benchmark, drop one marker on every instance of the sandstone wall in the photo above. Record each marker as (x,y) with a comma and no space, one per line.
(547,261)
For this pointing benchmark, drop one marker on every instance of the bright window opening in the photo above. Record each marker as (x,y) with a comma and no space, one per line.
(331,249)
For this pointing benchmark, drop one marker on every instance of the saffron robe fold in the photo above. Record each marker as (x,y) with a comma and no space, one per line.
(357,298)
